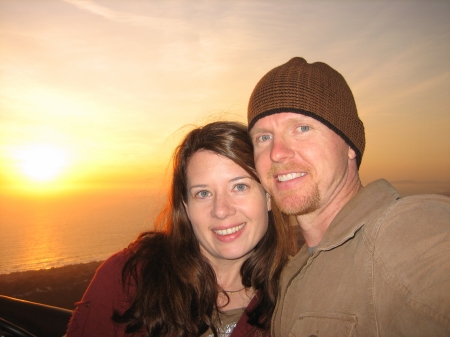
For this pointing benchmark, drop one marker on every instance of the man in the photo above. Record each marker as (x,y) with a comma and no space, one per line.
(374,263)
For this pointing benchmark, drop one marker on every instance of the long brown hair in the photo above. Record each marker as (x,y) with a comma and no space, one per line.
(176,287)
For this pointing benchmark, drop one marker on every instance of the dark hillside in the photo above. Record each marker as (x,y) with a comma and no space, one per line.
(60,287)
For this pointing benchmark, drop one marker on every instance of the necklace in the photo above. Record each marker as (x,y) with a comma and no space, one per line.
(231,292)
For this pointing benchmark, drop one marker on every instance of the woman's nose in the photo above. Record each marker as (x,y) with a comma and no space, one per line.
(223,207)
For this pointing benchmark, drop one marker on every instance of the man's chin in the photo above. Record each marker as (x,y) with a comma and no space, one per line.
(297,205)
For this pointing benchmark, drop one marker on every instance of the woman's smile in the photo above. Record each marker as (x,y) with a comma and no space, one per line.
(228,231)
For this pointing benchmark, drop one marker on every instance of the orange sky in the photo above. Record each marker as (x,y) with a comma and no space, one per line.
(96,93)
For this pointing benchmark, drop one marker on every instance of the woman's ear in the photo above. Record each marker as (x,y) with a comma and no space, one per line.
(269,202)
(186,208)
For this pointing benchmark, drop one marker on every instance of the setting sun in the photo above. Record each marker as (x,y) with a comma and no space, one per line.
(41,162)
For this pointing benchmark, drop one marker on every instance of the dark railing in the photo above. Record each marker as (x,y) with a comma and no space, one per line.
(20,318)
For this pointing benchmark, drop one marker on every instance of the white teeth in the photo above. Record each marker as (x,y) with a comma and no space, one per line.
(229,231)
(290,176)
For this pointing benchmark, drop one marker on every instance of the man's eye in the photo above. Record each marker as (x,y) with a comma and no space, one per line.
(203,194)
(263,138)
(304,128)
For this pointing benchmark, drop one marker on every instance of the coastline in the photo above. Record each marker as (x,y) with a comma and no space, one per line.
(59,287)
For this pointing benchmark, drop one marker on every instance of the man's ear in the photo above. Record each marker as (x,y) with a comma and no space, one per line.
(351,153)
(269,202)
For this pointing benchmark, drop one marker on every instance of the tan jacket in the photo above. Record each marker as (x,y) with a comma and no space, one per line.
(381,269)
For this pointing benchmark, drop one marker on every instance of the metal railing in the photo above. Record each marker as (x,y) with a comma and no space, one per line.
(23,318)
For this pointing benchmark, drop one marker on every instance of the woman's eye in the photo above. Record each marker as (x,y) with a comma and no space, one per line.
(304,128)
(202,194)
(240,187)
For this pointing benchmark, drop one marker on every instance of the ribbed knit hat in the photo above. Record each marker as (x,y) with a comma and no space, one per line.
(315,90)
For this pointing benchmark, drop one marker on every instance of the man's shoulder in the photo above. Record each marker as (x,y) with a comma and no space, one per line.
(429,199)
(411,253)
(388,208)
(425,209)
(382,189)
(410,228)
(387,219)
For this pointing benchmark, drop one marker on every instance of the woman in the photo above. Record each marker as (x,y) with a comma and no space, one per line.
(212,265)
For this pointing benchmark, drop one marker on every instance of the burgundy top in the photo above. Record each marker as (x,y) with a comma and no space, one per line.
(92,315)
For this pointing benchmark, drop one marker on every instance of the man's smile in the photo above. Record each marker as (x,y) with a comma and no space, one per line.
(290,176)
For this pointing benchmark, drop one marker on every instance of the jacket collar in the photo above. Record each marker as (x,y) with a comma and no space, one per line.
(366,204)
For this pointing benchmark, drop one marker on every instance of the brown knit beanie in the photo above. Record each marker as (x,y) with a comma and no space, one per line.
(315,90)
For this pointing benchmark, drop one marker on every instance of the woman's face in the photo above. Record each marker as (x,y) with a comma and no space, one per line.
(226,206)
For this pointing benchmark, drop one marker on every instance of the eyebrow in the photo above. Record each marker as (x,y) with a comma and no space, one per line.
(291,120)
(256,130)
(241,177)
(231,180)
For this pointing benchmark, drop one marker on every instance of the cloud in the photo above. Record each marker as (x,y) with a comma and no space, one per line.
(121,17)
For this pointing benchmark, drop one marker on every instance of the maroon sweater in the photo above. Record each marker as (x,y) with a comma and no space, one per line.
(92,315)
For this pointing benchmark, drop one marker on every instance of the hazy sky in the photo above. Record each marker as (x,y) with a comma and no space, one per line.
(109,84)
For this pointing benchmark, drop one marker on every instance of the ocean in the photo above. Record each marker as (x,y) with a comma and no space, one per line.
(45,232)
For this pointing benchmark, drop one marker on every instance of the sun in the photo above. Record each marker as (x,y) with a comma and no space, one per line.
(41,163)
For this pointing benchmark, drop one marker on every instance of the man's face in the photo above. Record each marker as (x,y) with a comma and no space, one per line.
(301,162)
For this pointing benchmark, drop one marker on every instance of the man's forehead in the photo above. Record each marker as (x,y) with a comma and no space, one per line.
(280,118)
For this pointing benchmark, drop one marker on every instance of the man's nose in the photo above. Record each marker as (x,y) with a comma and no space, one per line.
(280,150)
(223,206)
